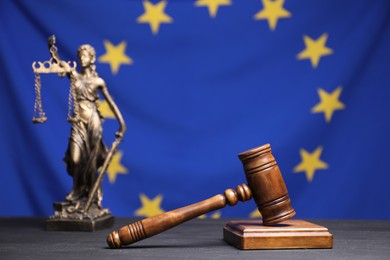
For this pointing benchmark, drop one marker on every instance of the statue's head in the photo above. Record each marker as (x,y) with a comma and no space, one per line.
(87,55)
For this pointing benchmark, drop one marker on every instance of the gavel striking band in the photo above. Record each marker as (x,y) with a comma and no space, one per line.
(265,184)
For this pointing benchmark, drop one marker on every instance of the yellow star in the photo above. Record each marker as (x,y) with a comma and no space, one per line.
(115,55)
(115,167)
(329,103)
(213,5)
(216,215)
(255,214)
(310,163)
(154,15)
(105,109)
(150,207)
(315,49)
(272,11)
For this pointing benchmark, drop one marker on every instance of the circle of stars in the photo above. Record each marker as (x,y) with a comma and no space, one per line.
(272,11)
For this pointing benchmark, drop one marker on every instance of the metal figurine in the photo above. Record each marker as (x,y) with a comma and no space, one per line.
(86,151)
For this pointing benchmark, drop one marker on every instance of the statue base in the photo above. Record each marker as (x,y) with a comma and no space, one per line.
(70,217)
(290,234)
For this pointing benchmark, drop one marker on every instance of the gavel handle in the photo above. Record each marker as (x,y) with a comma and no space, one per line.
(154,225)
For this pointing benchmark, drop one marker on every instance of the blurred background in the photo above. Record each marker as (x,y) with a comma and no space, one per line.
(199,82)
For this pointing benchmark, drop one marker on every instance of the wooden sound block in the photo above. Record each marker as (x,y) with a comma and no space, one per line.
(251,234)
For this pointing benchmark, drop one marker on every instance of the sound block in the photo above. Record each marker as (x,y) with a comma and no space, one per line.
(251,234)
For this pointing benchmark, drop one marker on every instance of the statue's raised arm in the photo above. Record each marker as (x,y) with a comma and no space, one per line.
(54,65)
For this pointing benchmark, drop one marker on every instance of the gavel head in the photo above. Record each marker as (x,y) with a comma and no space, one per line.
(267,185)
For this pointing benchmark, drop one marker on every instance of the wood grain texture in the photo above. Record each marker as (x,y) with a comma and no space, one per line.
(266,182)
(151,226)
(251,234)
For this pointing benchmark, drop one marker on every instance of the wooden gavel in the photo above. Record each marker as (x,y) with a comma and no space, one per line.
(266,185)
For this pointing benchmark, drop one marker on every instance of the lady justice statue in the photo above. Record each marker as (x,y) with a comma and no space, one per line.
(86,152)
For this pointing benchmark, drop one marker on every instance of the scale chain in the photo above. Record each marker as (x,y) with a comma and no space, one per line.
(72,101)
(38,109)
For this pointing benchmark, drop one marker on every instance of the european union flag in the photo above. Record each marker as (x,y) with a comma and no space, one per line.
(197,83)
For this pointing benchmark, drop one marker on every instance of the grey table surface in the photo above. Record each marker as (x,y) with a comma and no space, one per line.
(25,238)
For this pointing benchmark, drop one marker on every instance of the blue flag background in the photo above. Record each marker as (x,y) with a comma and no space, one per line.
(197,83)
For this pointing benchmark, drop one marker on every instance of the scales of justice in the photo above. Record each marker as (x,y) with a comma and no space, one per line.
(87,157)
